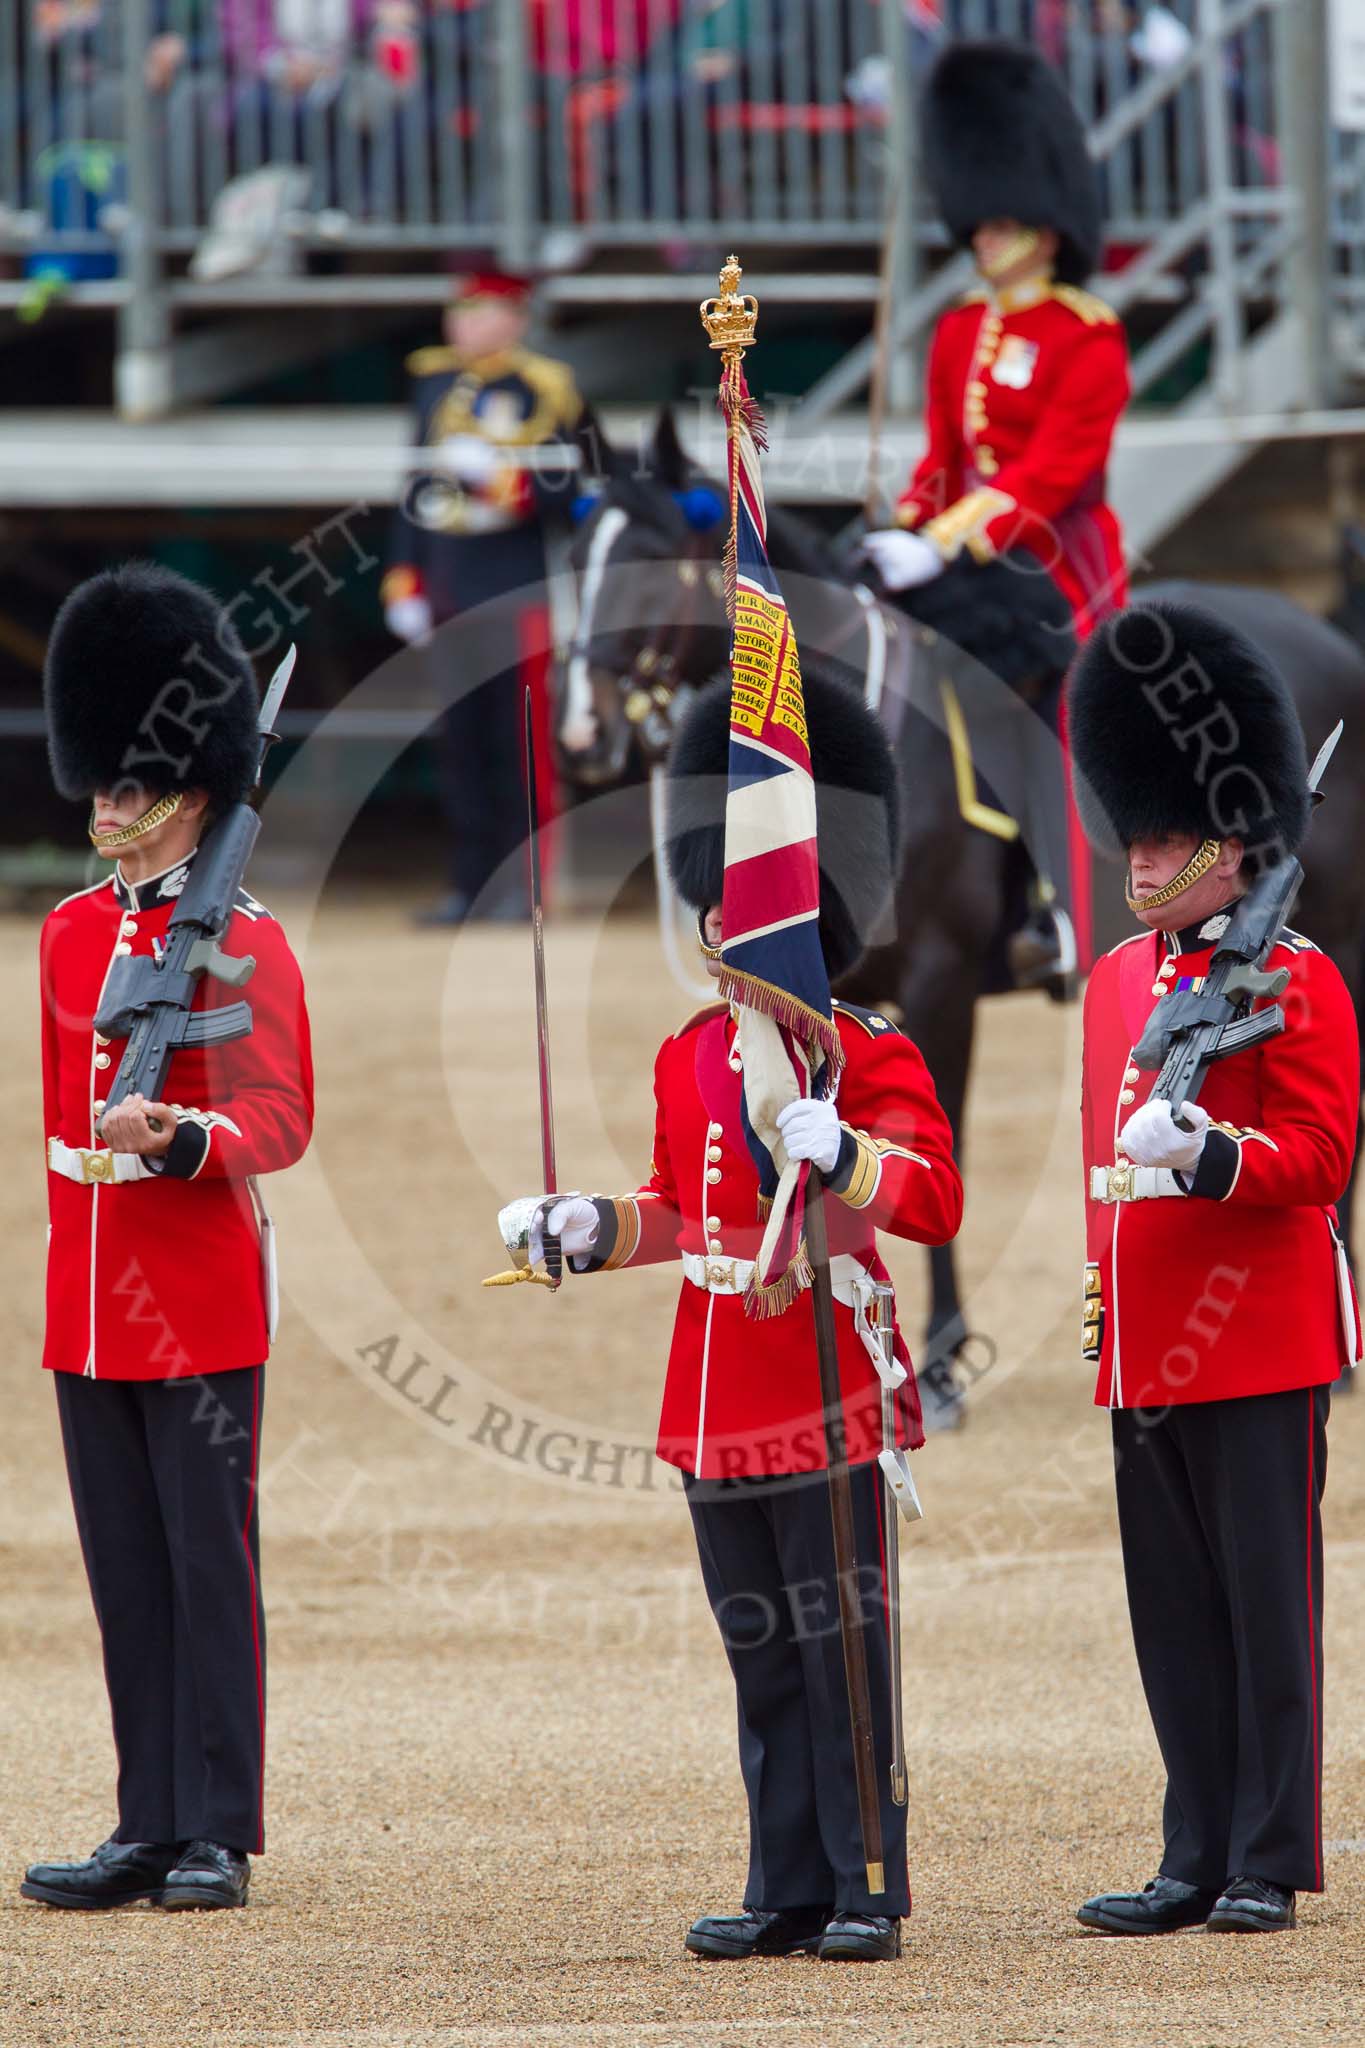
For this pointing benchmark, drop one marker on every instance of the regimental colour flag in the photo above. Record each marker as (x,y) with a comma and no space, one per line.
(773,965)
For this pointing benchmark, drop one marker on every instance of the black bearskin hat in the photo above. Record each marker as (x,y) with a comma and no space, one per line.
(1002,141)
(1008,614)
(147,682)
(859,840)
(1179,724)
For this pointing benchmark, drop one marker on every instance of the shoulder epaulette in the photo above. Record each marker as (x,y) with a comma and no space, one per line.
(872,1021)
(1085,305)
(1131,940)
(249,907)
(701,1016)
(555,383)
(430,362)
(1296,942)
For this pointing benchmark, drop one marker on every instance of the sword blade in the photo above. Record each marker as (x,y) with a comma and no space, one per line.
(549,1180)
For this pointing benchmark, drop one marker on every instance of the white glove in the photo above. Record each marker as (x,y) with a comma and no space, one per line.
(903,560)
(408,618)
(1150,1136)
(573,1221)
(1162,40)
(468,458)
(811,1130)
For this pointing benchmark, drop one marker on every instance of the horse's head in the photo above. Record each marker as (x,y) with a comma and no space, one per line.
(651,609)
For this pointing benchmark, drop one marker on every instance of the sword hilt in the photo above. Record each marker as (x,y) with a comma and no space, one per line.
(515,1274)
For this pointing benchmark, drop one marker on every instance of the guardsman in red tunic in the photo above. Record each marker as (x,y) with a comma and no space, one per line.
(1028,377)
(1218,1304)
(1027,381)
(741,1406)
(160,1277)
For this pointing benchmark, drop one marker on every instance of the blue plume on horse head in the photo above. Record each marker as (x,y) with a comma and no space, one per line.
(702,505)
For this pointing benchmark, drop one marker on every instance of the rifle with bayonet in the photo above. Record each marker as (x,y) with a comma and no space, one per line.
(1190,1030)
(149,998)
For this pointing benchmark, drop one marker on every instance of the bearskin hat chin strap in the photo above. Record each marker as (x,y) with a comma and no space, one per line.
(164,807)
(1195,868)
(1022,244)
(708,952)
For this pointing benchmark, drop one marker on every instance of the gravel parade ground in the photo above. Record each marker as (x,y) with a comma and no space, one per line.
(502,1775)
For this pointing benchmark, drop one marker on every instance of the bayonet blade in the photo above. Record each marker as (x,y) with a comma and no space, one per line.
(275,690)
(1325,753)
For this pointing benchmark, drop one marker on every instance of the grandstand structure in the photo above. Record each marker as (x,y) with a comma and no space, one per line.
(211,216)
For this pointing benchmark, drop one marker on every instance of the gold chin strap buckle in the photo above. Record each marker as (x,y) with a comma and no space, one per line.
(164,807)
(1195,868)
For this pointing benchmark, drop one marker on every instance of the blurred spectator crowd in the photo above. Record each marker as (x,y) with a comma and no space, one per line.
(645,109)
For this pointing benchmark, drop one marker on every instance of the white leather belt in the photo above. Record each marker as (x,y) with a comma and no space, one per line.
(732,1276)
(1125,1183)
(850,1280)
(92,1168)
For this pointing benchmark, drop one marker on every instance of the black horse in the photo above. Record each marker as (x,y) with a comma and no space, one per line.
(968,700)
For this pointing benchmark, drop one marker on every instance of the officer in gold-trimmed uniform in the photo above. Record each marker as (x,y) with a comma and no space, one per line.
(469,531)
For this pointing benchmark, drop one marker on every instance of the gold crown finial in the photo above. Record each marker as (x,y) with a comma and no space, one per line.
(731,318)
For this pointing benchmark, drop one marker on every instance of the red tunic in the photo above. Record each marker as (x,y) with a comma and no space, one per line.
(1232,1288)
(742,1393)
(1023,401)
(152,1278)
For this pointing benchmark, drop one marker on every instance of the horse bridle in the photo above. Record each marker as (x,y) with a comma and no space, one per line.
(647,687)
(652,678)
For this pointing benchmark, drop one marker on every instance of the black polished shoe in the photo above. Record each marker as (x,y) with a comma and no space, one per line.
(734,1937)
(1161,1907)
(1253,1905)
(208,1874)
(860,1938)
(118,1874)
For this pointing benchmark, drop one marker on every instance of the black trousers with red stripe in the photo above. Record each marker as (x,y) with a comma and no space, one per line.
(1220,1518)
(163,1481)
(767,1559)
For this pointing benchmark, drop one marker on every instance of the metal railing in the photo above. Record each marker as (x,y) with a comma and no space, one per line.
(636,122)
(396,130)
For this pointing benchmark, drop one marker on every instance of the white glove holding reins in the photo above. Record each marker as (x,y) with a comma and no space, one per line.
(811,1130)
(1151,1137)
(573,1221)
(902,560)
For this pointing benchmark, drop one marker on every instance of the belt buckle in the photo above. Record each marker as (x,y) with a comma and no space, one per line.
(1121,1181)
(718,1275)
(96,1166)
